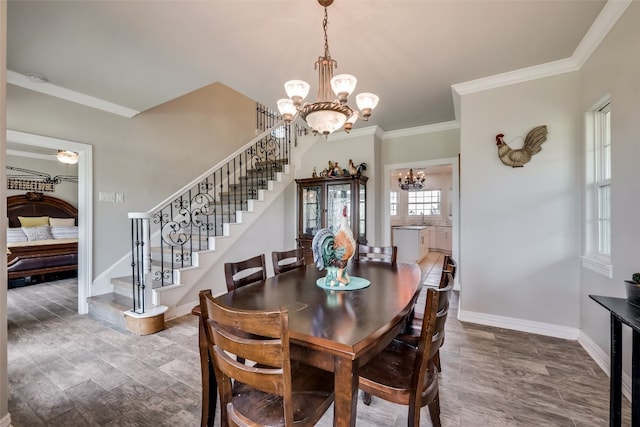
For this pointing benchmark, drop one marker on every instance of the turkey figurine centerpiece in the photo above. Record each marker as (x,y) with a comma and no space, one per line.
(333,252)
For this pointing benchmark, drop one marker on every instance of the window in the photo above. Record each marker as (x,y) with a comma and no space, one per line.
(603,178)
(598,191)
(424,202)
(393,208)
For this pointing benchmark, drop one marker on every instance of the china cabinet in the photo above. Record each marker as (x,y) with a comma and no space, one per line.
(321,202)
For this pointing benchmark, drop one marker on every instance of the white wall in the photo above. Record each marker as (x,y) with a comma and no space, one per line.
(423,143)
(519,228)
(614,69)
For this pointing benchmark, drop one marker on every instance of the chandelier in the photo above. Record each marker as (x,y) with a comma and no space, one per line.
(67,157)
(328,113)
(412,182)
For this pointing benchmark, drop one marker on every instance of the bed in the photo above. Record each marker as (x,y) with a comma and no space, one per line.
(35,248)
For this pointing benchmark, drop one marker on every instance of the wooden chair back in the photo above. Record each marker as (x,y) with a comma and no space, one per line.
(405,374)
(241,273)
(448,265)
(261,393)
(442,311)
(384,254)
(287,260)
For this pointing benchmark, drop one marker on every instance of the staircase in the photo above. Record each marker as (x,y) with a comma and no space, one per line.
(176,243)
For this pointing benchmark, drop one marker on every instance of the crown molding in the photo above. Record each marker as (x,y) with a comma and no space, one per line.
(368,131)
(606,19)
(46,88)
(421,130)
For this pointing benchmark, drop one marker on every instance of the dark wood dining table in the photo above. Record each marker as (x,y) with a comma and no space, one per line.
(335,330)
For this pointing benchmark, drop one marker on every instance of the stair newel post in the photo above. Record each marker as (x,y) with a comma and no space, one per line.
(140,256)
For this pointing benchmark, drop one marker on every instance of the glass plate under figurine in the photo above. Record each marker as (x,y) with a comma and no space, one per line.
(341,281)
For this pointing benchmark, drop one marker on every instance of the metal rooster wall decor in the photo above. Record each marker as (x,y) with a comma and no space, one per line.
(516,158)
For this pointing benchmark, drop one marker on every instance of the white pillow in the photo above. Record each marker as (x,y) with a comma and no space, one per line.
(37,233)
(15,235)
(64,232)
(62,222)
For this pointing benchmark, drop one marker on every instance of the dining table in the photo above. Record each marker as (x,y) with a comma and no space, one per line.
(337,329)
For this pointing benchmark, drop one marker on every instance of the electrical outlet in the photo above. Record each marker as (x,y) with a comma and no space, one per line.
(119,197)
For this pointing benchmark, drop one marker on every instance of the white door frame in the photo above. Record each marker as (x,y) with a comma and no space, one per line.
(85,204)
(455,198)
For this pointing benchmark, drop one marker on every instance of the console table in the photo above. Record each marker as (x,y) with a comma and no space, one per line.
(622,312)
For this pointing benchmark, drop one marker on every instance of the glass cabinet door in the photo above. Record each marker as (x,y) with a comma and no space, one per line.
(338,196)
(311,209)
(362,210)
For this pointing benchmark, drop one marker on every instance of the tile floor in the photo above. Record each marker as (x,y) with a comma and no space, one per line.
(68,370)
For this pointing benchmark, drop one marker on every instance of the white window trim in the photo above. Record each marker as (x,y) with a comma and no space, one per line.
(592,259)
(393,203)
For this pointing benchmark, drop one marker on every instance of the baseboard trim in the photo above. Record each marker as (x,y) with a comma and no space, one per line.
(532,327)
(603,360)
(5,421)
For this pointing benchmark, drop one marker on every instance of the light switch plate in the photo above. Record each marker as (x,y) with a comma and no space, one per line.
(108,197)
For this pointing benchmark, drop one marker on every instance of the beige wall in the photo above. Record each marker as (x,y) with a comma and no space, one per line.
(148,157)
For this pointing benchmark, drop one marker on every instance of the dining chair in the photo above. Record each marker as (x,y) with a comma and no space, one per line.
(404,374)
(241,273)
(287,260)
(384,254)
(449,265)
(273,391)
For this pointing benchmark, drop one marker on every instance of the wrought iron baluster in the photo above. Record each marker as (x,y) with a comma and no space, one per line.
(201,212)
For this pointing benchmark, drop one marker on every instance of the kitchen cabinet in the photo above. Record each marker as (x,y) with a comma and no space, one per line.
(440,239)
(320,205)
(412,242)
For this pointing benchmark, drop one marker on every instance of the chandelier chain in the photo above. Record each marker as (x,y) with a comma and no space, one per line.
(324,28)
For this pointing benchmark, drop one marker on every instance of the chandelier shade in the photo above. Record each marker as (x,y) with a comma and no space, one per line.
(330,112)
(412,182)
(67,157)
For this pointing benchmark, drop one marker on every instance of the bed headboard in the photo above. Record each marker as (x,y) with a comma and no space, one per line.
(37,204)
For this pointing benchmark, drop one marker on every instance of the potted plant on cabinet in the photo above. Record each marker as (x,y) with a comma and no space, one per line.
(633,289)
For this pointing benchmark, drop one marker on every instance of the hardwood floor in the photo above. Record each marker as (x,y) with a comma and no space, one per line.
(69,370)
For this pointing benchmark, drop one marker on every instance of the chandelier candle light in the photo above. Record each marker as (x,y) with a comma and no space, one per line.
(412,182)
(328,113)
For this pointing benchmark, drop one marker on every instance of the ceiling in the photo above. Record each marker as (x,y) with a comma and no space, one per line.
(139,54)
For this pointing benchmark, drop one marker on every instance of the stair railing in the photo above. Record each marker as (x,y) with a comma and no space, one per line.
(164,238)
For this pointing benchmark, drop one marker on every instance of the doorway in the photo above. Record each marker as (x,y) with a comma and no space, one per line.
(453,196)
(85,204)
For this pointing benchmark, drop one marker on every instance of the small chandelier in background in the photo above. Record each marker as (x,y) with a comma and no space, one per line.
(327,114)
(67,157)
(412,182)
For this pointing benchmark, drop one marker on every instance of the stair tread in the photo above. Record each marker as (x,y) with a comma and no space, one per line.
(114,300)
